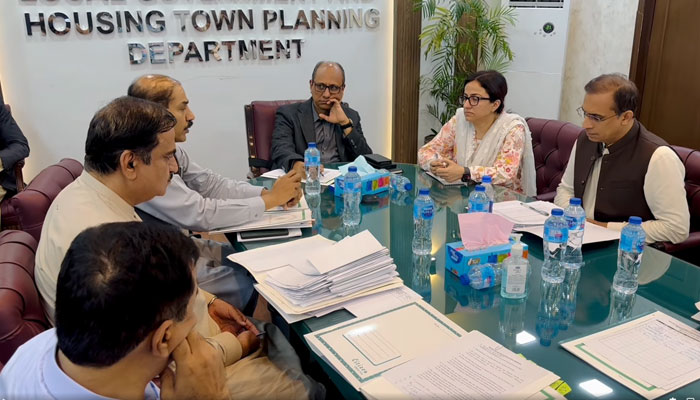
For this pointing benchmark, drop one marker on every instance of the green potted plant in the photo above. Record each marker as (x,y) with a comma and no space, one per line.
(462,37)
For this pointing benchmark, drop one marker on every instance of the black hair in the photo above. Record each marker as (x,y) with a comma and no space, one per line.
(156,88)
(625,94)
(494,83)
(118,282)
(126,123)
(329,63)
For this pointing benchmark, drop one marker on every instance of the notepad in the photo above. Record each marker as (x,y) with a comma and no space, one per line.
(444,182)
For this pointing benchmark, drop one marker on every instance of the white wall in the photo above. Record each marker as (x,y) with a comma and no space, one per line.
(56,83)
(601,34)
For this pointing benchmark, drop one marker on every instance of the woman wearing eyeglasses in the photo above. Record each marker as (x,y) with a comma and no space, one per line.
(481,139)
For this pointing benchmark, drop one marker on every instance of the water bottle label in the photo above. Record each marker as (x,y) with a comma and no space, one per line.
(554,235)
(517,275)
(424,212)
(309,159)
(478,207)
(576,223)
(632,243)
(488,276)
(351,187)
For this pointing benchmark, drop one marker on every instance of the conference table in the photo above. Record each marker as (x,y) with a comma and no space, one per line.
(532,327)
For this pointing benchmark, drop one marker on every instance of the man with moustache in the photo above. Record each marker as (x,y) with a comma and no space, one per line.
(334,126)
(200,200)
(620,169)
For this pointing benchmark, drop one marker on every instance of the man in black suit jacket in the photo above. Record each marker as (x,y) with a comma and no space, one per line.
(13,147)
(334,126)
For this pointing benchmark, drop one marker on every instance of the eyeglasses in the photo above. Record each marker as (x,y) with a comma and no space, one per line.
(333,89)
(473,100)
(593,117)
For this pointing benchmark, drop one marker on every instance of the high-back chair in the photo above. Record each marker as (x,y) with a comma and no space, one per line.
(552,142)
(26,210)
(259,124)
(21,314)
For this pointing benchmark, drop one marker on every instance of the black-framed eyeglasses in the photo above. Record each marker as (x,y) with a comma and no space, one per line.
(473,99)
(593,117)
(333,89)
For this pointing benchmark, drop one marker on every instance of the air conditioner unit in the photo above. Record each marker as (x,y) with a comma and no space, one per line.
(538,41)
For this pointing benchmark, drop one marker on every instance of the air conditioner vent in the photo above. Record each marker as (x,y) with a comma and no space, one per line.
(536,3)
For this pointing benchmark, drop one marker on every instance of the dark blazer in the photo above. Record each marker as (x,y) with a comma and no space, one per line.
(294,129)
(13,147)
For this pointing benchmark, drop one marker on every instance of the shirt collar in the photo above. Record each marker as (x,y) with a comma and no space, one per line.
(109,196)
(314,113)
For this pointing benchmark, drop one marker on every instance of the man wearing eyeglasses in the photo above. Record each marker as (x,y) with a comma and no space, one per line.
(334,126)
(620,169)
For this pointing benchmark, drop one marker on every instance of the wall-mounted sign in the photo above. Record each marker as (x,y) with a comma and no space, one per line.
(288,27)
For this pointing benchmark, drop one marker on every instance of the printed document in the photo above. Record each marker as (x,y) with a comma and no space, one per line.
(327,177)
(475,366)
(652,355)
(364,348)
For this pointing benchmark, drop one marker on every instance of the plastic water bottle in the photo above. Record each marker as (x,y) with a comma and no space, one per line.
(516,272)
(423,210)
(400,183)
(556,233)
(629,256)
(487,275)
(576,218)
(478,201)
(352,195)
(486,182)
(312,164)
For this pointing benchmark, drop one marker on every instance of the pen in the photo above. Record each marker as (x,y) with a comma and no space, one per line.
(545,213)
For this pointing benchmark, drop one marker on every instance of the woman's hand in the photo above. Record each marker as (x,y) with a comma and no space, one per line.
(447,170)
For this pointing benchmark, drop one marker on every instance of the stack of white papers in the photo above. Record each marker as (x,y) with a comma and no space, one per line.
(298,216)
(530,217)
(327,177)
(652,355)
(313,276)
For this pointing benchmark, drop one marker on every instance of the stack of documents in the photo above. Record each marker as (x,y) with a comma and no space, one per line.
(652,355)
(298,216)
(414,351)
(327,176)
(312,274)
(530,217)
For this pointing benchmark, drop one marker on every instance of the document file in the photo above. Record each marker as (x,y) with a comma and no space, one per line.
(652,355)
(473,367)
(364,348)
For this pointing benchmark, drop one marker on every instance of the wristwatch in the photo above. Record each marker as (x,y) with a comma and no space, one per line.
(348,125)
(467,175)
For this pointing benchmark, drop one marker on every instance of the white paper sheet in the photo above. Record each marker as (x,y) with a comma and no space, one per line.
(651,355)
(697,315)
(413,330)
(515,212)
(344,252)
(327,177)
(473,367)
(280,255)
(377,303)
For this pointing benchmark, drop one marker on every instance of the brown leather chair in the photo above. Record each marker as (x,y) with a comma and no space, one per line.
(688,249)
(259,124)
(552,142)
(26,210)
(21,314)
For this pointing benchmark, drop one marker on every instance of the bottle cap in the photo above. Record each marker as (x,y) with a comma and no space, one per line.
(352,169)
(635,220)
(424,192)
(575,201)
(517,249)
(486,179)
(409,186)
(312,144)
(557,212)
(480,188)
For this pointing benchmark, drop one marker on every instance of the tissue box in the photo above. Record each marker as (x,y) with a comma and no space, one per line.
(460,260)
(373,183)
